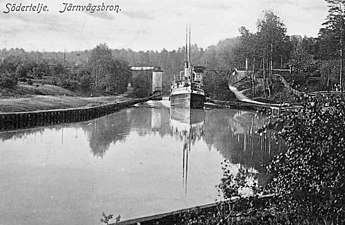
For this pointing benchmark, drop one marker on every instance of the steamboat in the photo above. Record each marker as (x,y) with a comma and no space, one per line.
(187,90)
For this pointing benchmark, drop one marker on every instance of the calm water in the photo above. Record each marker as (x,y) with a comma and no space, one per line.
(139,161)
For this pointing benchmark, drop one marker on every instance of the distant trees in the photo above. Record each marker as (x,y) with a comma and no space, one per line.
(268,48)
(328,44)
(7,80)
(100,64)
(102,72)
(223,56)
(332,35)
(120,76)
(329,71)
(85,79)
(216,86)
(272,39)
(107,70)
(248,49)
(108,74)
(301,57)
(269,44)
(7,72)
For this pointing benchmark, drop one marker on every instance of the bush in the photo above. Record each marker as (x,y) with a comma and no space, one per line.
(69,84)
(7,80)
(308,180)
(216,86)
(86,82)
(141,86)
(23,79)
(29,82)
(310,176)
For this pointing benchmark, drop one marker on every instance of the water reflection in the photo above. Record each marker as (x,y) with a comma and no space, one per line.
(231,132)
(129,163)
(188,125)
(104,131)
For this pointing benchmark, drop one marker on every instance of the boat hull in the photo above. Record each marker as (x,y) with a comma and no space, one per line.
(187,100)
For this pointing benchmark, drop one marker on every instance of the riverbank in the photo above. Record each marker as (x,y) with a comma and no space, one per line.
(28,98)
(19,120)
(21,108)
(43,102)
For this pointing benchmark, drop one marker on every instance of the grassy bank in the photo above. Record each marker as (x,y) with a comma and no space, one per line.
(26,98)
(34,103)
(25,90)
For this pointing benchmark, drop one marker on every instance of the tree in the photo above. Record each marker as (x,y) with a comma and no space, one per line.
(225,53)
(209,58)
(248,48)
(309,178)
(109,75)
(268,48)
(10,64)
(85,80)
(41,69)
(329,71)
(119,76)
(328,44)
(100,62)
(59,73)
(23,69)
(300,58)
(216,86)
(273,43)
(7,80)
(334,31)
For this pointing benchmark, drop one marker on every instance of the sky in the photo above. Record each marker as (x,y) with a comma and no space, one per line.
(143,25)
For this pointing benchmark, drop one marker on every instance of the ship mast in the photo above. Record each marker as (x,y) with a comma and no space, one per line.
(190,69)
(187,55)
(187,68)
(189,45)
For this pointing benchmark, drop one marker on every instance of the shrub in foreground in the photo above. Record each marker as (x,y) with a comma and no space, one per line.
(308,180)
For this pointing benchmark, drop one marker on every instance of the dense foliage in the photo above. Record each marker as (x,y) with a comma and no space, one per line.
(108,74)
(307,181)
(6,80)
(106,70)
(269,43)
(310,177)
(100,72)
(216,86)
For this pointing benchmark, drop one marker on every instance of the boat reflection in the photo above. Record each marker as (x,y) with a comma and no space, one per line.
(230,132)
(188,125)
(128,162)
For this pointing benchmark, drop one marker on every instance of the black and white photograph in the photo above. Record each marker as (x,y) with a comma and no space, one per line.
(121,112)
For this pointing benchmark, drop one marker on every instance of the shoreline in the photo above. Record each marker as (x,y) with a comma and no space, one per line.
(54,102)
(15,120)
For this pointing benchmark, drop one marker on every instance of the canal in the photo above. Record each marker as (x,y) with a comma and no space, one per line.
(139,161)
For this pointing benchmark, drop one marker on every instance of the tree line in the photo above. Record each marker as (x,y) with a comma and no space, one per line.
(107,70)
